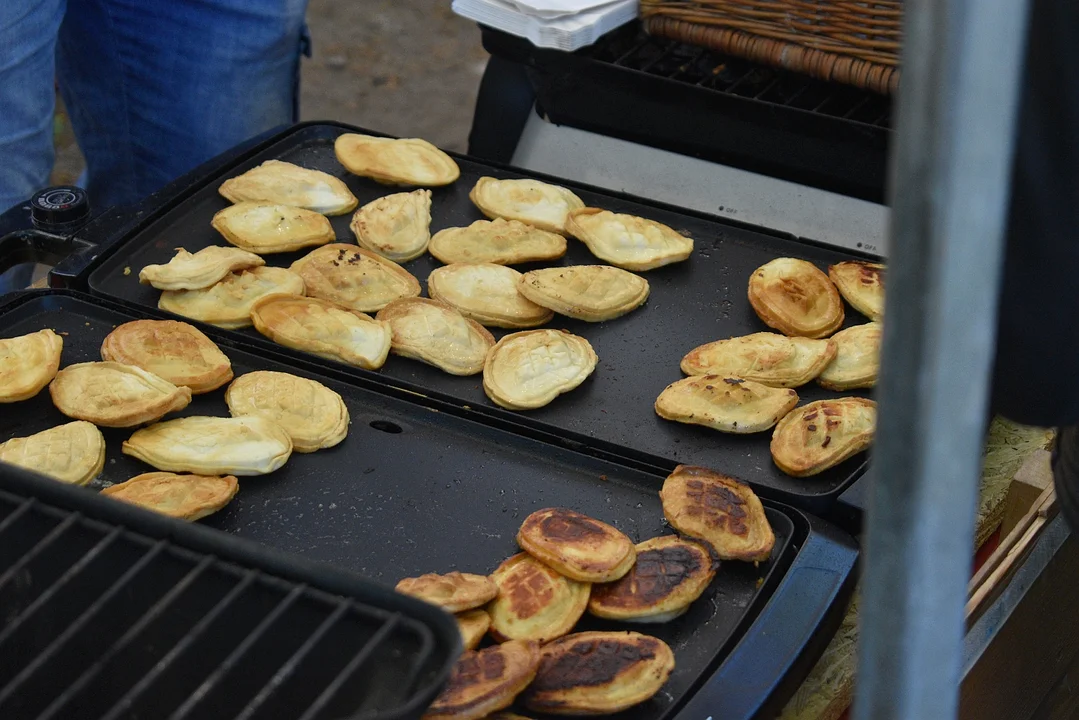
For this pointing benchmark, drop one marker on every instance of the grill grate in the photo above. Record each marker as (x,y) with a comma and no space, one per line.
(733,76)
(100,621)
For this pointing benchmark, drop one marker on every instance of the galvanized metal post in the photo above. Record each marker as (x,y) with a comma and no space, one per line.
(951,162)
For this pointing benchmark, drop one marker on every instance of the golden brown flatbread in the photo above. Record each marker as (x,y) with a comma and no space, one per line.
(536,203)
(487,293)
(718,510)
(354,278)
(228,303)
(313,415)
(534,602)
(485,681)
(628,241)
(395,161)
(862,285)
(28,363)
(577,546)
(435,333)
(265,228)
(72,453)
(187,497)
(282,183)
(767,358)
(112,394)
(823,434)
(172,350)
(592,293)
(473,625)
(502,242)
(198,270)
(857,359)
(529,369)
(397,227)
(796,298)
(725,403)
(453,592)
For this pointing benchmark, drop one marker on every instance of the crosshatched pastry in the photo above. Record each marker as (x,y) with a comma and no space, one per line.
(796,298)
(857,359)
(28,363)
(596,673)
(536,203)
(487,293)
(527,370)
(282,183)
(534,602)
(485,681)
(396,226)
(435,333)
(725,403)
(453,592)
(670,573)
(593,293)
(265,228)
(395,161)
(628,241)
(354,278)
(228,303)
(212,445)
(473,625)
(502,242)
(111,394)
(72,453)
(313,415)
(172,350)
(823,434)
(577,546)
(187,497)
(862,285)
(718,510)
(767,358)
(198,270)
(324,329)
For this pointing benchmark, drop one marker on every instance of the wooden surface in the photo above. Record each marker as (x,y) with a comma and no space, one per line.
(829,687)
(1030,482)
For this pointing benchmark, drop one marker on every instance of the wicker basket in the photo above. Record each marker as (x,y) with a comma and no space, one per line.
(845,41)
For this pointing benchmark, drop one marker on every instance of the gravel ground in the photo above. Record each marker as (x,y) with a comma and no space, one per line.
(403,67)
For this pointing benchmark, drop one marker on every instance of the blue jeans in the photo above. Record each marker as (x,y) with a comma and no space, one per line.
(153,87)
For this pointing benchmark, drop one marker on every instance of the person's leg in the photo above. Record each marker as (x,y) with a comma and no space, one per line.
(156,87)
(28,30)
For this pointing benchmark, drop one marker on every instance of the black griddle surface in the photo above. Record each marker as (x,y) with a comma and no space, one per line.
(444,493)
(691,303)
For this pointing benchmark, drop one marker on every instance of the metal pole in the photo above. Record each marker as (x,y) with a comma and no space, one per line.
(950,176)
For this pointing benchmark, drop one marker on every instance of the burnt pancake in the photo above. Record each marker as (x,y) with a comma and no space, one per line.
(485,681)
(534,602)
(670,573)
(727,404)
(862,285)
(473,625)
(796,298)
(823,434)
(575,545)
(857,359)
(764,357)
(453,592)
(597,673)
(718,510)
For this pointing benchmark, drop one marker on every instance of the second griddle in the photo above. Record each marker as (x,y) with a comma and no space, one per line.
(691,303)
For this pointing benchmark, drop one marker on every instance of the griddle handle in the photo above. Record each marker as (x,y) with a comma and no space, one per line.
(777,651)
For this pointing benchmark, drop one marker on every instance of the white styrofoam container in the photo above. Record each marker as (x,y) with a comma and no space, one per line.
(565,32)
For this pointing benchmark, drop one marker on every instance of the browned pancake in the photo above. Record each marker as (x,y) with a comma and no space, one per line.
(577,546)
(453,592)
(485,681)
(593,673)
(534,602)
(718,509)
(670,573)
(473,625)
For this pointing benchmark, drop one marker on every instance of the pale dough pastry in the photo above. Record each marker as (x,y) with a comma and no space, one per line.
(282,183)
(435,333)
(767,358)
(212,445)
(228,303)
(503,242)
(72,453)
(313,415)
(395,161)
(28,363)
(527,370)
(727,404)
(396,226)
(487,293)
(187,497)
(628,241)
(539,204)
(172,350)
(857,359)
(354,278)
(195,271)
(265,228)
(324,329)
(111,394)
(593,293)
